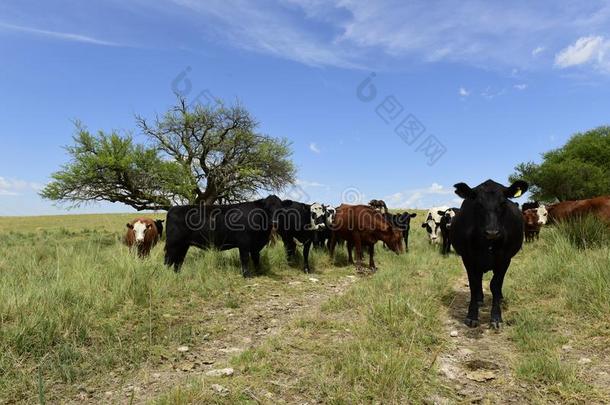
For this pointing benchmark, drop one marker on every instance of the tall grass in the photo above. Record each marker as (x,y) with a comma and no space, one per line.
(584,232)
(75,303)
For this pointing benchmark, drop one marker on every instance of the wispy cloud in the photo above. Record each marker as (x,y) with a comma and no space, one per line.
(538,50)
(463,92)
(586,50)
(13,187)
(306,183)
(520,86)
(63,36)
(314,147)
(349,33)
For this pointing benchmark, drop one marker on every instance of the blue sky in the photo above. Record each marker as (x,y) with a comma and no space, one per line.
(493,84)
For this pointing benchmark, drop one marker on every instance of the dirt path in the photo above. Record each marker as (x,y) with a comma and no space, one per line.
(477,365)
(266,307)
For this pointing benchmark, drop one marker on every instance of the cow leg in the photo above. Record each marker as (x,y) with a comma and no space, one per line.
(350,247)
(256,259)
(306,247)
(496,289)
(358,246)
(371,259)
(244,257)
(475,281)
(331,245)
(174,255)
(291,249)
(405,235)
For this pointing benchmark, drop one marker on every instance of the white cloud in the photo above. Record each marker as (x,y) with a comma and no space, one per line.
(306,183)
(463,92)
(591,49)
(520,86)
(64,36)
(538,50)
(314,148)
(350,33)
(12,187)
(434,195)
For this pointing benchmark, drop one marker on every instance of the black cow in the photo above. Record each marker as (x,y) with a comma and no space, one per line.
(530,205)
(245,226)
(298,221)
(446,220)
(159,225)
(487,233)
(401,221)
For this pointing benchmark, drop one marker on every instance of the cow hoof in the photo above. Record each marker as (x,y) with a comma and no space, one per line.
(471,323)
(373,269)
(495,325)
(481,303)
(306,270)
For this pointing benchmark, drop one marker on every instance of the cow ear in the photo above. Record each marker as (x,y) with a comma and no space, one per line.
(516,189)
(463,190)
(441,212)
(413,215)
(424,225)
(129,225)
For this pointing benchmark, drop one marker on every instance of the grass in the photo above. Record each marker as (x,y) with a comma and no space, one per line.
(76,305)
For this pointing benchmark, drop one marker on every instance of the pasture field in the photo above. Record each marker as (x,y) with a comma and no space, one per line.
(83,320)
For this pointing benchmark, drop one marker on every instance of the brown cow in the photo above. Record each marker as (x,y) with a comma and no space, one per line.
(144,233)
(532,224)
(361,226)
(598,206)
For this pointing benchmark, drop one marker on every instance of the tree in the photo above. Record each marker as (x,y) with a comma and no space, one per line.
(580,169)
(192,155)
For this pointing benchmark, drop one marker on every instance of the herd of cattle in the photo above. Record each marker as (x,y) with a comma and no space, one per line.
(486,231)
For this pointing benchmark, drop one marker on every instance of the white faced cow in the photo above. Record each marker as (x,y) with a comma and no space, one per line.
(543,215)
(433,224)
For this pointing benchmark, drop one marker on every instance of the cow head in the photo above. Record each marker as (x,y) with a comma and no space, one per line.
(543,214)
(447,217)
(272,204)
(433,227)
(530,217)
(490,202)
(394,241)
(139,230)
(403,221)
(329,215)
(317,216)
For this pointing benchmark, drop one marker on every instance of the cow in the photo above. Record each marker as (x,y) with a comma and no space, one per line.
(401,221)
(159,225)
(295,220)
(361,226)
(487,232)
(445,226)
(245,226)
(379,205)
(432,223)
(532,223)
(598,206)
(323,233)
(143,233)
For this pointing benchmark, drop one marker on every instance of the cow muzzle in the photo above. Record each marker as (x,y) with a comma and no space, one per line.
(492,234)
